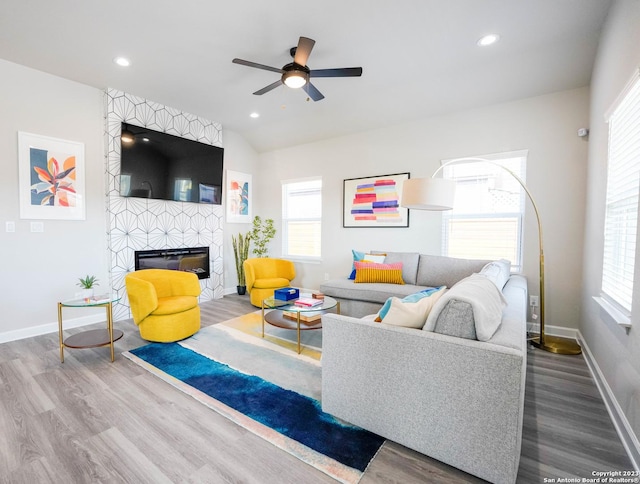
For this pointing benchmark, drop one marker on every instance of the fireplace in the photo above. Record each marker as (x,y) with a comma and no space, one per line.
(190,259)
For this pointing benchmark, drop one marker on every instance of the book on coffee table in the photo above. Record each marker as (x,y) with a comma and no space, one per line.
(308,317)
(308,302)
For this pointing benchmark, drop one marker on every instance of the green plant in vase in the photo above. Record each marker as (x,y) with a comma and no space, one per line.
(87,284)
(261,234)
(241,252)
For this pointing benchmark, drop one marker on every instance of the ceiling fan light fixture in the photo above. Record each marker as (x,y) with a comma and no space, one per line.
(295,79)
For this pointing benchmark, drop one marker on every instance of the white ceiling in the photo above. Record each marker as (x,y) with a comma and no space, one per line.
(419,57)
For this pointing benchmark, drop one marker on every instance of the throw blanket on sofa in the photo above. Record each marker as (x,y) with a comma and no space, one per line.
(484,298)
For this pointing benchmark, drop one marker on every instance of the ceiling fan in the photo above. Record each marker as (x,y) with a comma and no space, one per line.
(297,74)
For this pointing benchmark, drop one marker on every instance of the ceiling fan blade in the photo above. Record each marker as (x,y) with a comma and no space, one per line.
(305,46)
(313,93)
(256,65)
(270,87)
(340,72)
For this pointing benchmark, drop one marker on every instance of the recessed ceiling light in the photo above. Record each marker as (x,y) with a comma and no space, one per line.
(254,115)
(122,61)
(488,40)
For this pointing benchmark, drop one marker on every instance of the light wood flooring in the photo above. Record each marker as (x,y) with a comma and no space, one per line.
(89,420)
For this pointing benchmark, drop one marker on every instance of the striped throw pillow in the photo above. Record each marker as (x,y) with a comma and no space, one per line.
(372,272)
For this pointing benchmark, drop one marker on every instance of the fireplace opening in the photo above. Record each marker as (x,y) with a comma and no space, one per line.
(190,259)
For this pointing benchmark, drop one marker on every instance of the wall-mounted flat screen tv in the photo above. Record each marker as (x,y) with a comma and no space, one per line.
(166,167)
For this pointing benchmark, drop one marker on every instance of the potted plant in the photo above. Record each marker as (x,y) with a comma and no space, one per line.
(261,234)
(241,253)
(87,284)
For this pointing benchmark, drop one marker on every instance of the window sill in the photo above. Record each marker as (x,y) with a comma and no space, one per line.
(618,316)
(302,260)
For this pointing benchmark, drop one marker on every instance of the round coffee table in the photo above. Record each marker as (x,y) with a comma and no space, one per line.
(287,315)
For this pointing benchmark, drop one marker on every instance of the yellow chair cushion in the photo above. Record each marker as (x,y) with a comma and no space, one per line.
(175,304)
(274,282)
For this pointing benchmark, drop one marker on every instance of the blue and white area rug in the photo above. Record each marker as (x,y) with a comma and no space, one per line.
(266,388)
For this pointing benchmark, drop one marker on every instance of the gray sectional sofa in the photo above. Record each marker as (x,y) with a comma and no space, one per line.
(455,399)
(419,271)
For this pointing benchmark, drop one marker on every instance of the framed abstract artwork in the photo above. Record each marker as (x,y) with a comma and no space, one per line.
(238,197)
(374,202)
(51,178)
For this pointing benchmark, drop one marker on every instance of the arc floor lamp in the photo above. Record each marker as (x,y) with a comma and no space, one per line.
(438,194)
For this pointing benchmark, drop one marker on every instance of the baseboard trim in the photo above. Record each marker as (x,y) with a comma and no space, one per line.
(620,422)
(50,328)
(553,330)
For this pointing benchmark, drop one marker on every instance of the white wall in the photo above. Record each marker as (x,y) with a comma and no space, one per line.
(238,156)
(556,172)
(40,269)
(615,351)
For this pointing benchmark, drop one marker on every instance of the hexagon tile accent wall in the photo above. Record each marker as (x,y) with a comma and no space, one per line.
(140,224)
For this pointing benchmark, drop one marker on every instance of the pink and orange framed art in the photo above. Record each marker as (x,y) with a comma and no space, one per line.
(51,178)
(374,201)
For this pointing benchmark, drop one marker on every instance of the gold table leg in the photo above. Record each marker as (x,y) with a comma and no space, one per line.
(110,329)
(298,332)
(60,332)
(263,319)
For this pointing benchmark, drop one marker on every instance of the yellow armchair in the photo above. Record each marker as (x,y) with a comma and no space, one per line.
(164,303)
(265,275)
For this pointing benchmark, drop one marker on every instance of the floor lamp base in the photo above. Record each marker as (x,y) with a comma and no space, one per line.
(560,346)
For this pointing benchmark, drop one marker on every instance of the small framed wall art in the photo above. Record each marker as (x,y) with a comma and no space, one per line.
(238,197)
(374,202)
(51,178)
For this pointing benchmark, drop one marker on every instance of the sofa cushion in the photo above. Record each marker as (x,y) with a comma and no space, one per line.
(435,270)
(410,312)
(345,289)
(456,319)
(372,272)
(411,298)
(498,272)
(409,264)
(485,298)
(362,256)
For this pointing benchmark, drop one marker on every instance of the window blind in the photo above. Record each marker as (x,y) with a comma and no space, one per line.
(486,221)
(623,186)
(302,218)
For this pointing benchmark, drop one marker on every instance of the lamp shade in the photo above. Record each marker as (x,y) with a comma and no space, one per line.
(428,193)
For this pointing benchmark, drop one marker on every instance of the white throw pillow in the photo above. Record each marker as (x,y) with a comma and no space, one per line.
(498,272)
(411,314)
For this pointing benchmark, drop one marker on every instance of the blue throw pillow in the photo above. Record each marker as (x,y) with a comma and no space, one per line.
(411,298)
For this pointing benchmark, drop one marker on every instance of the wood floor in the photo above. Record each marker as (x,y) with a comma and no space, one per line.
(89,420)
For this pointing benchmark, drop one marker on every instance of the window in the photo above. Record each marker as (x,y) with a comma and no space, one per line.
(623,185)
(486,222)
(302,218)
(182,189)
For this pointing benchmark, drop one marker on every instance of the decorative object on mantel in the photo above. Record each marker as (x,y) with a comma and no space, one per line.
(374,202)
(438,194)
(241,253)
(51,181)
(261,234)
(87,283)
